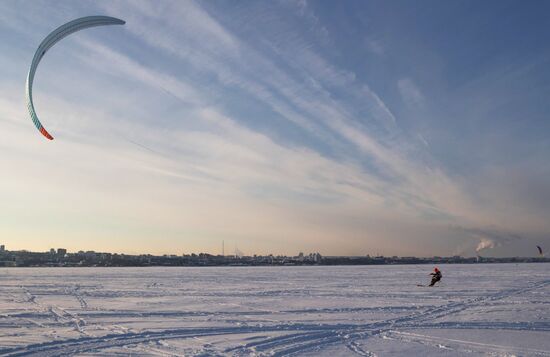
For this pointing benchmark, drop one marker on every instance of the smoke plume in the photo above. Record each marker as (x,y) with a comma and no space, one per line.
(489,238)
(485,243)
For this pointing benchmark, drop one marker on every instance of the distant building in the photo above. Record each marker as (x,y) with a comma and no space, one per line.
(61,251)
(52,251)
(317,257)
(2,248)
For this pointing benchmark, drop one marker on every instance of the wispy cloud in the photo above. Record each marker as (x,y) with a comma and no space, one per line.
(275,134)
(410,92)
(375,46)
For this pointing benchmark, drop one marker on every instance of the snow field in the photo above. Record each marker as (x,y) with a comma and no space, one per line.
(477,310)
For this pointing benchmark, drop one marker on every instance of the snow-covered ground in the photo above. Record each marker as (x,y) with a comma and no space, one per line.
(489,309)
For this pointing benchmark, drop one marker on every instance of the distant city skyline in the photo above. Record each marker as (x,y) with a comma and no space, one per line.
(60,257)
(347,128)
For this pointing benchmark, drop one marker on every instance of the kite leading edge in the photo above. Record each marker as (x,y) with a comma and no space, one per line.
(50,40)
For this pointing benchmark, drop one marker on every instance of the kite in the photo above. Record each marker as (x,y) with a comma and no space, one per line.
(50,40)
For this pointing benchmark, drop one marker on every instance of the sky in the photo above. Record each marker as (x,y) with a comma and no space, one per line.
(344,128)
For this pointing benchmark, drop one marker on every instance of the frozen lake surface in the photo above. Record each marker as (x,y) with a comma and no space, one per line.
(478,310)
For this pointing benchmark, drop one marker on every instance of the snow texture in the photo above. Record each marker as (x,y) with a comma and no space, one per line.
(476,310)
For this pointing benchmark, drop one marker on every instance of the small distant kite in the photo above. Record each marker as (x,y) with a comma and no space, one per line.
(54,37)
(540,251)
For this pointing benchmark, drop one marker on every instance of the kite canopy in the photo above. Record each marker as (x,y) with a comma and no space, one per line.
(54,37)
(540,250)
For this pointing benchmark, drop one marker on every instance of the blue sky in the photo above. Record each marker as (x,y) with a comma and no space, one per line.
(340,127)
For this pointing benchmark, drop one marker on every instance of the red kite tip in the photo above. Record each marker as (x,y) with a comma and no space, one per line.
(46,134)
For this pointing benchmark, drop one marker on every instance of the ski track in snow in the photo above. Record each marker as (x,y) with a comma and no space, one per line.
(466,346)
(305,342)
(242,328)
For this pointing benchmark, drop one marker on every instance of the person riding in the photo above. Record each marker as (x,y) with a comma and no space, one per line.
(436,276)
